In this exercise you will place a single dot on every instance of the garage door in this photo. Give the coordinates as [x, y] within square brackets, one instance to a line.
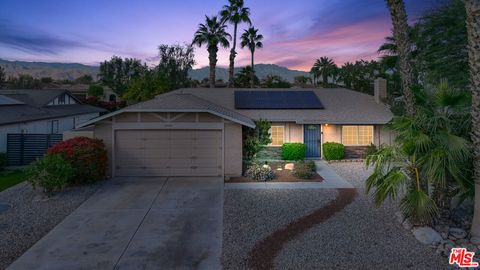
[168, 153]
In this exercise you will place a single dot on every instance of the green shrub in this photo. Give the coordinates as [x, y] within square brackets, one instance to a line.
[95, 90]
[260, 172]
[371, 149]
[293, 151]
[3, 161]
[311, 165]
[51, 173]
[303, 171]
[333, 151]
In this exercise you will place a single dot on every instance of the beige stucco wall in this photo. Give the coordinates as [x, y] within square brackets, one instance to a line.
[233, 149]
[332, 133]
[103, 131]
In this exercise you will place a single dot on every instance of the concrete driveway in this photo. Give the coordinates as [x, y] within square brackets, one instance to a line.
[138, 223]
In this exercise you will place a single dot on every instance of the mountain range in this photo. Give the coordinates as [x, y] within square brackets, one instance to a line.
[71, 71]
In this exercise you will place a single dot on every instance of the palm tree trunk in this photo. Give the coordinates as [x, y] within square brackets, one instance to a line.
[212, 57]
[252, 74]
[400, 33]
[472, 8]
[233, 53]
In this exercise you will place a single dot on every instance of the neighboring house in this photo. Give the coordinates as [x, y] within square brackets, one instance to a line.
[37, 111]
[198, 131]
[81, 91]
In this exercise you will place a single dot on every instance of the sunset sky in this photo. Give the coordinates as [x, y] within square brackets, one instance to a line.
[90, 31]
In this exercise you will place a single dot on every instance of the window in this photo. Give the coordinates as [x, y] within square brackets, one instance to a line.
[53, 127]
[357, 135]
[276, 134]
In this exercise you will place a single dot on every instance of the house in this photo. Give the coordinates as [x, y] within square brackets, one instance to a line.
[198, 131]
[80, 91]
[36, 111]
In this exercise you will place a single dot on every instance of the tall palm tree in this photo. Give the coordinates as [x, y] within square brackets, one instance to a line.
[325, 67]
[314, 73]
[472, 8]
[400, 34]
[252, 40]
[212, 33]
[234, 13]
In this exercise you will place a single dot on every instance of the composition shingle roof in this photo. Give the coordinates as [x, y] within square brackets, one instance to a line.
[341, 106]
[34, 106]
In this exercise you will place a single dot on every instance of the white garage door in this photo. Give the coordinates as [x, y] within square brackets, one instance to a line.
[168, 153]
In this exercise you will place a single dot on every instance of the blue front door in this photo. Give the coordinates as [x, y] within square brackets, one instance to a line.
[311, 137]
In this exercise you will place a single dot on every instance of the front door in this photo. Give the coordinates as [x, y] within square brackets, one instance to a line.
[311, 137]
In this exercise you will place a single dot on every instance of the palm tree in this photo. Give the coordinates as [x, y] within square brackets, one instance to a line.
[234, 13]
[429, 154]
[314, 73]
[325, 67]
[472, 8]
[212, 33]
[400, 34]
[252, 40]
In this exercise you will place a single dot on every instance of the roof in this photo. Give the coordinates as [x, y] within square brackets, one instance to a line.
[341, 106]
[180, 102]
[32, 106]
[4, 100]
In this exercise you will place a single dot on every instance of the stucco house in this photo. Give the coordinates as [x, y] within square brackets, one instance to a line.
[198, 131]
[41, 111]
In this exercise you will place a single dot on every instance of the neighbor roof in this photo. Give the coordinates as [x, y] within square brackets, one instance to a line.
[33, 106]
[341, 106]
[180, 102]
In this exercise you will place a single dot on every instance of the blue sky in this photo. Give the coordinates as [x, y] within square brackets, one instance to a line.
[296, 32]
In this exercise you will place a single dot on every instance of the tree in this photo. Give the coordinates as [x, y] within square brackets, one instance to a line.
[175, 63]
[324, 67]
[252, 40]
[430, 153]
[301, 80]
[472, 8]
[117, 73]
[212, 33]
[347, 74]
[3, 77]
[146, 87]
[400, 34]
[234, 13]
[24, 81]
[84, 79]
[274, 81]
[242, 78]
[95, 90]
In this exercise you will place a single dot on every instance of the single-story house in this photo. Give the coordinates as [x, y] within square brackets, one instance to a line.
[198, 131]
[39, 111]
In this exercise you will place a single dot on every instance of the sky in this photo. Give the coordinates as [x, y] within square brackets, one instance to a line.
[295, 32]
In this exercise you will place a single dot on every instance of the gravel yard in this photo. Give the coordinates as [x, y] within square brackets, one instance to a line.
[29, 217]
[361, 236]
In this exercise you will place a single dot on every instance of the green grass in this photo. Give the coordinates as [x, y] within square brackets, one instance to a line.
[10, 179]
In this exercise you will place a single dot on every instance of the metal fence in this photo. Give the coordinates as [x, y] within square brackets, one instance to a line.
[22, 149]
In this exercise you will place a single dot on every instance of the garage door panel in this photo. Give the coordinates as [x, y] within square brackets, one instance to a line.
[168, 153]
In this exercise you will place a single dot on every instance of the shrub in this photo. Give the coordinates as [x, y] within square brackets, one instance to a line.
[3, 161]
[52, 173]
[311, 165]
[95, 90]
[303, 170]
[87, 156]
[260, 172]
[333, 151]
[293, 151]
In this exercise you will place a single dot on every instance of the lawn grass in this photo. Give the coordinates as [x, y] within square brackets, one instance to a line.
[10, 179]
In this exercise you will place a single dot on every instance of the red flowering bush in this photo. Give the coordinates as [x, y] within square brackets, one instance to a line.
[88, 158]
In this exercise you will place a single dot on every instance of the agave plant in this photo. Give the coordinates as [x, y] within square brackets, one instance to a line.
[431, 153]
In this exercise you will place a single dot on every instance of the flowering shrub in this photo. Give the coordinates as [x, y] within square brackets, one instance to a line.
[87, 156]
[260, 172]
[108, 105]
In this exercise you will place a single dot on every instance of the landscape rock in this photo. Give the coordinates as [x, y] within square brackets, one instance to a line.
[400, 216]
[462, 242]
[427, 235]
[407, 225]
[444, 235]
[289, 166]
[458, 233]
[441, 228]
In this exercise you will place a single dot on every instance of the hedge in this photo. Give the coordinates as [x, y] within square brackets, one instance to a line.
[333, 151]
[293, 151]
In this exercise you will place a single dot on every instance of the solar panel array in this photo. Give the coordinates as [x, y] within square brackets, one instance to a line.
[297, 99]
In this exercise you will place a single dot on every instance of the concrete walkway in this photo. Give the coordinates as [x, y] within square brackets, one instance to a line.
[138, 223]
[330, 180]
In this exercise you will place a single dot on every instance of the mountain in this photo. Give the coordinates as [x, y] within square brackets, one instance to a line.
[58, 71]
[261, 70]
[71, 71]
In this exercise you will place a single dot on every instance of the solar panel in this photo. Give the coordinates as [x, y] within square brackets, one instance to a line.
[277, 100]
